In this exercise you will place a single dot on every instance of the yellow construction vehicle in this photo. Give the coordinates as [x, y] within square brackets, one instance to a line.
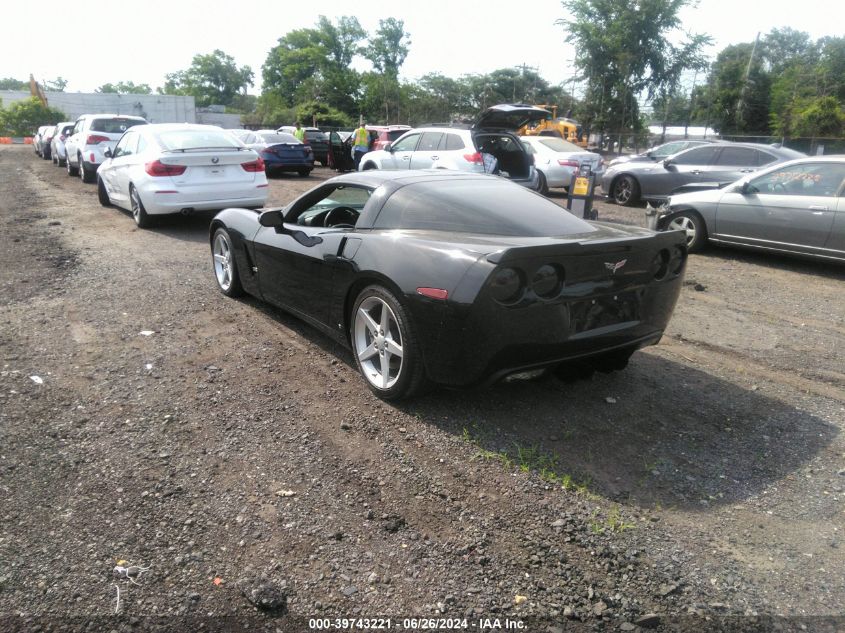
[565, 128]
[35, 90]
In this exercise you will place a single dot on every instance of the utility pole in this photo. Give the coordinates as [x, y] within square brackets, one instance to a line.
[691, 102]
[741, 104]
[522, 67]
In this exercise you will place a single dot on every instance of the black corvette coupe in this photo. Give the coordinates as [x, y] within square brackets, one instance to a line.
[452, 278]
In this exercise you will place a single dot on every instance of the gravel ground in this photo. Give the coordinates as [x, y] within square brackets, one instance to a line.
[237, 454]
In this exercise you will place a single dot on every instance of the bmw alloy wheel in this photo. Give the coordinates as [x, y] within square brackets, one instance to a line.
[378, 343]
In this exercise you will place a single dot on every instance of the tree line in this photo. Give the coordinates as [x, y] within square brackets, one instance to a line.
[628, 55]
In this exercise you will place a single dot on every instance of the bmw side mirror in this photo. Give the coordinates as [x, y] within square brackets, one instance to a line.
[107, 152]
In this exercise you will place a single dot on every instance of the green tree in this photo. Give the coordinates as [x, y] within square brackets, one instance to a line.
[125, 88]
[55, 85]
[10, 83]
[624, 49]
[819, 117]
[212, 79]
[23, 118]
[739, 105]
[314, 64]
[387, 51]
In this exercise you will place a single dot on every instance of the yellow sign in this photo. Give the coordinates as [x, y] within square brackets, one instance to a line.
[582, 187]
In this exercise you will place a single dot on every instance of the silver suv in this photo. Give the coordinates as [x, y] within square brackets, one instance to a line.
[91, 135]
[489, 146]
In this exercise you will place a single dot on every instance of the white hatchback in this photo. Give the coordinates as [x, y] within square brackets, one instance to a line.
[180, 168]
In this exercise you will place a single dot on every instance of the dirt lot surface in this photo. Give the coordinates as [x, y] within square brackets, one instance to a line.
[237, 454]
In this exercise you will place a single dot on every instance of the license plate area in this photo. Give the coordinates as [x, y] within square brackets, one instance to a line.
[598, 312]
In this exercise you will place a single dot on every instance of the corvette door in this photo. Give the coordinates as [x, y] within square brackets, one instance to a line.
[296, 274]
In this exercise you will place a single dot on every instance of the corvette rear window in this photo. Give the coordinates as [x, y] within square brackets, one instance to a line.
[489, 207]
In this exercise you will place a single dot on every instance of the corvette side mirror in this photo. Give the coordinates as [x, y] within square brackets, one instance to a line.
[272, 218]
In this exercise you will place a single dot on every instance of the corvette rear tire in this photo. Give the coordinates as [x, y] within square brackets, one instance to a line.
[102, 194]
[384, 344]
[225, 267]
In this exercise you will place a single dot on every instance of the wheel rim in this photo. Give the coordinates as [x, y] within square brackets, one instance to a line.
[378, 343]
[222, 254]
[136, 205]
[623, 191]
[686, 225]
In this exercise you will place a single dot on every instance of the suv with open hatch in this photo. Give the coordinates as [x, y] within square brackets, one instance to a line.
[488, 146]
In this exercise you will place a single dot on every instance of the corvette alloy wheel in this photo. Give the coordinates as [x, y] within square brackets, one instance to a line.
[378, 343]
[225, 267]
[223, 261]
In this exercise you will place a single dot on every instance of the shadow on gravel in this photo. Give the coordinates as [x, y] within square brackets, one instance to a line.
[657, 433]
[186, 228]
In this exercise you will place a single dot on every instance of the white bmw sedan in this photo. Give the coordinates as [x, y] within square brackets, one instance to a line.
[180, 168]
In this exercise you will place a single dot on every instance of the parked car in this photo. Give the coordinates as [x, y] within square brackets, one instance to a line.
[57, 145]
[280, 151]
[170, 168]
[463, 149]
[92, 134]
[659, 152]
[41, 140]
[721, 163]
[319, 141]
[451, 278]
[797, 207]
[381, 135]
[557, 160]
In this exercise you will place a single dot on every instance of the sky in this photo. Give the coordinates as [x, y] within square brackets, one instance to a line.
[103, 41]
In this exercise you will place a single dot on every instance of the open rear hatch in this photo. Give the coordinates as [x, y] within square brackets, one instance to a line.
[510, 116]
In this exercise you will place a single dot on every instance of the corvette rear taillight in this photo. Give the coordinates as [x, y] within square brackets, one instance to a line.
[507, 285]
[475, 158]
[158, 169]
[254, 165]
[547, 281]
[95, 139]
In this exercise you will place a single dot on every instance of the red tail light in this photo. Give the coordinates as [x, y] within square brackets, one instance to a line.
[157, 169]
[565, 162]
[95, 139]
[474, 158]
[254, 166]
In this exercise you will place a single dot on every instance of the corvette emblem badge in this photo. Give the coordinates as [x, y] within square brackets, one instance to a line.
[614, 267]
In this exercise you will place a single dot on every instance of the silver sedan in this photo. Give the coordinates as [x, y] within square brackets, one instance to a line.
[797, 207]
[557, 160]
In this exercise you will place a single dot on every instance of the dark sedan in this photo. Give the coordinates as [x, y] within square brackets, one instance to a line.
[453, 278]
[280, 151]
[718, 163]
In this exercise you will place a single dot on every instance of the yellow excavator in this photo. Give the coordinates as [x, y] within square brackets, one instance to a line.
[35, 90]
[565, 128]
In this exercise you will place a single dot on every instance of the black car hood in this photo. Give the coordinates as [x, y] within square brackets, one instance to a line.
[510, 116]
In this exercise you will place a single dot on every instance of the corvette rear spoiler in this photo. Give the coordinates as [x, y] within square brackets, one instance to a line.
[601, 246]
